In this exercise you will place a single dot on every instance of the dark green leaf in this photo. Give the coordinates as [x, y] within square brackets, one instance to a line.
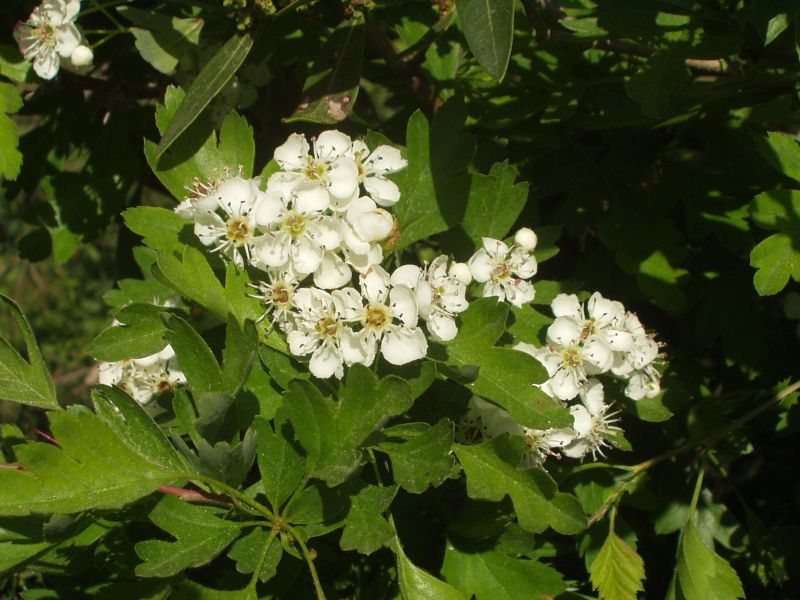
[366, 529]
[247, 551]
[162, 39]
[492, 470]
[657, 81]
[423, 459]
[488, 26]
[331, 87]
[197, 361]
[200, 535]
[281, 465]
[215, 74]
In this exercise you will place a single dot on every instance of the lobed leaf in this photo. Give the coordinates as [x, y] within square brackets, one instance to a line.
[617, 571]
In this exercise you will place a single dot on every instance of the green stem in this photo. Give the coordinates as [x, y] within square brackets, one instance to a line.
[309, 561]
[109, 16]
[261, 559]
[230, 491]
[697, 487]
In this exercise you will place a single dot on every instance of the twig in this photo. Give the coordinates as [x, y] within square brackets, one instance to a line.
[195, 495]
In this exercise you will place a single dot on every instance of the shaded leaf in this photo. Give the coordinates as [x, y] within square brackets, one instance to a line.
[162, 39]
[423, 459]
[366, 529]
[488, 26]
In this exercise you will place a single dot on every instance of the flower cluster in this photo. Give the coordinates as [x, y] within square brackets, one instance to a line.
[583, 342]
[144, 378]
[50, 37]
[323, 218]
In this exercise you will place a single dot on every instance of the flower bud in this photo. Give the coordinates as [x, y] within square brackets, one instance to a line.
[526, 238]
[461, 272]
[82, 56]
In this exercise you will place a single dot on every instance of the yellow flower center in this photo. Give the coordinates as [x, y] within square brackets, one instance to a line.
[377, 317]
[238, 230]
[328, 327]
[294, 224]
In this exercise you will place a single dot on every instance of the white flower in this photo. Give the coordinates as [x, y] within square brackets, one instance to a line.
[322, 330]
[201, 197]
[400, 342]
[526, 239]
[592, 423]
[82, 56]
[231, 227]
[643, 383]
[370, 223]
[504, 271]
[542, 443]
[276, 295]
[606, 321]
[146, 377]
[296, 232]
[49, 35]
[374, 167]
[439, 295]
[568, 366]
[329, 169]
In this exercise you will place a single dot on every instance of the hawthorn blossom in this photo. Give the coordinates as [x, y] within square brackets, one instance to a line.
[276, 295]
[440, 296]
[389, 319]
[329, 168]
[373, 167]
[230, 225]
[592, 422]
[146, 377]
[504, 271]
[605, 321]
[322, 330]
[297, 233]
[50, 35]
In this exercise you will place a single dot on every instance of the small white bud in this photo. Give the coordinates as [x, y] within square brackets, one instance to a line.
[526, 238]
[82, 56]
[461, 272]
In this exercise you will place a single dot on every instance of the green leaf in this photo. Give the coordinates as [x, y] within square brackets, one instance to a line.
[488, 26]
[159, 227]
[435, 185]
[778, 210]
[247, 551]
[332, 432]
[10, 156]
[490, 574]
[782, 152]
[241, 348]
[366, 529]
[776, 260]
[94, 468]
[200, 535]
[422, 460]
[657, 81]
[192, 277]
[331, 88]
[12, 63]
[702, 574]
[195, 155]
[494, 204]
[617, 571]
[196, 591]
[214, 76]
[140, 333]
[418, 584]
[197, 361]
[13, 555]
[505, 376]
[24, 381]
[492, 470]
[162, 39]
[281, 465]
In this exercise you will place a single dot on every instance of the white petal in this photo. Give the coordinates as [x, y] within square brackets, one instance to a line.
[593, 397]
[564, 331]
[293, 152]
[324, 233]
[461, 272]
[333, 272]
[401, 346]
[351, 239]
[442, 327]
[519, 292]
[374, 226]
[581, 420]
[565, 384]
[598, 354]
[522, 264]
[302, 342]
[480, 266]
[375, 285]
[383, 191]
[68, 38]
[385, 159]
[352, 347]
[567, 305]
[403, 305]
[306, 255]
[284, 183]
[343, 178]
[577, 449]
[310, 198]
[348, 304]
[325, 361]
[495, 248]
[209, 227]
[46, 64]
[272, 250]
[620, 341]
[331, 144]
[407, 275]
[269, 209]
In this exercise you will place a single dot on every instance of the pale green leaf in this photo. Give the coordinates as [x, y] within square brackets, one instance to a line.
[10, 156]
[418, 584]
[702, 574]
[776, 259]
[617, 571]
[159, 227]
[140, 333]
[782, 152]
[24, 381]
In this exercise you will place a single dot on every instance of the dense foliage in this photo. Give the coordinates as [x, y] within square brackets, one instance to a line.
[399, 299]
